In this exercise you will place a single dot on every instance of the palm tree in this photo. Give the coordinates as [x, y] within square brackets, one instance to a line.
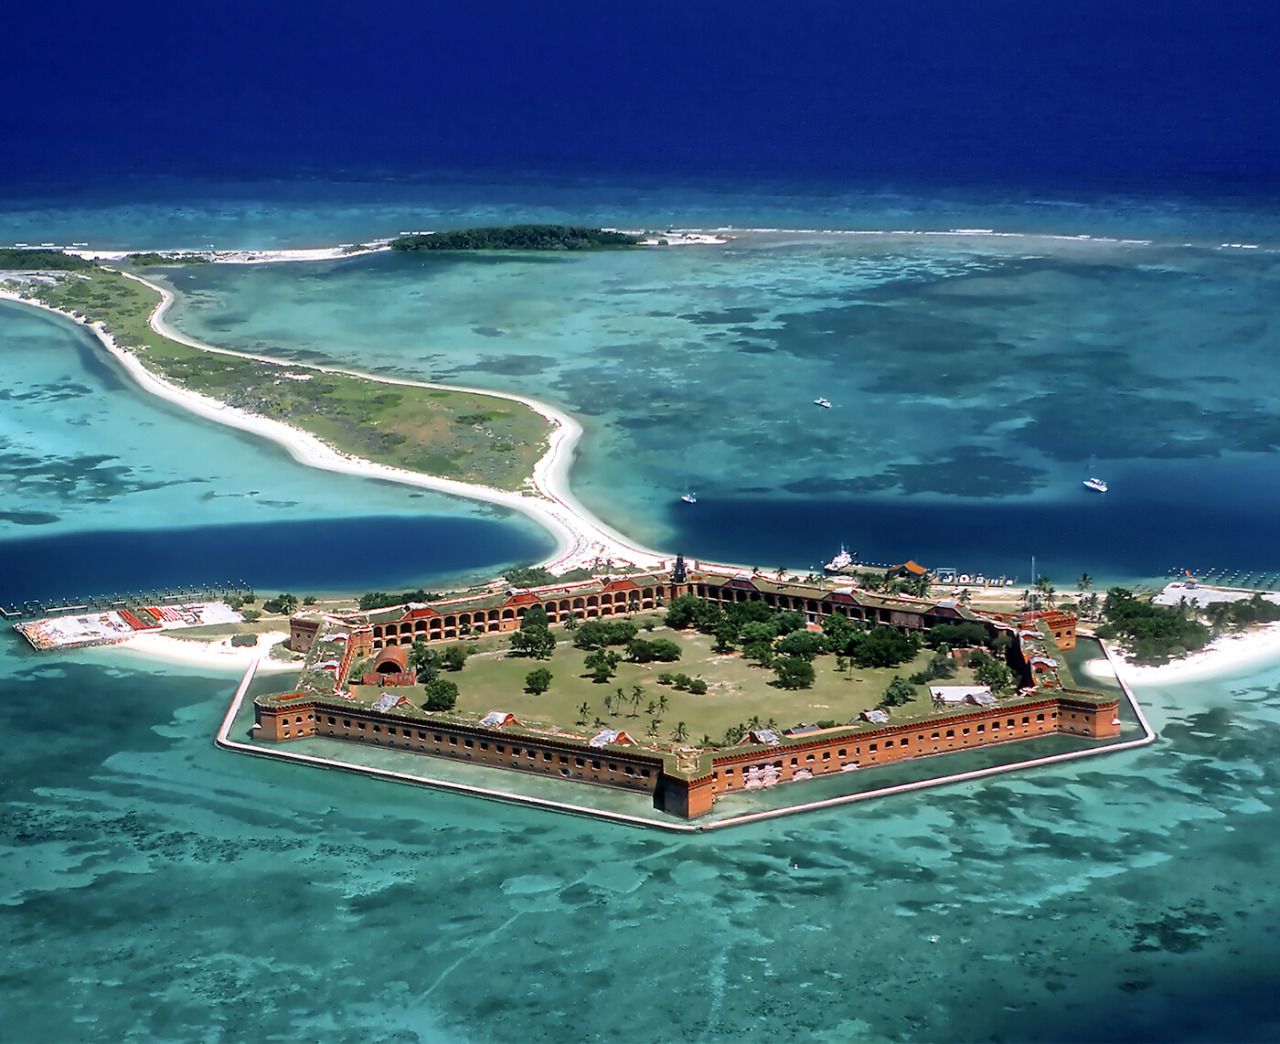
[966, 596]
[652, 709]
[662, 702]
[608, 703]
[681, 732]
[1085, 582]
[754, 723]
[584, 712]
[637, 694]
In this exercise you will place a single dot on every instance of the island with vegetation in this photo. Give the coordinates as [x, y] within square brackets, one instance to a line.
[472, 437]
[517, 237]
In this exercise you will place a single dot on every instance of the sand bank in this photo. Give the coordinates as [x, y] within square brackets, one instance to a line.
[581, 539]
[1230, 654]
[216, 655]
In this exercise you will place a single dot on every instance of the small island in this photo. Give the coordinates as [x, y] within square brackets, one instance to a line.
[517, 237]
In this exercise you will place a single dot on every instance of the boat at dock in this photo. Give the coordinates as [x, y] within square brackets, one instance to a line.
[842, 562]
[1095, 484]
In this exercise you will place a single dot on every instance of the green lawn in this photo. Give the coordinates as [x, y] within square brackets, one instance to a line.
[737, 691]
[458, 435]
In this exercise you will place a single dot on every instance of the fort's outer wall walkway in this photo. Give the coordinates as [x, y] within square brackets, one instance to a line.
[223, 739]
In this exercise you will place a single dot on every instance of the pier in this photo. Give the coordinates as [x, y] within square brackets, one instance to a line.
[65, 605]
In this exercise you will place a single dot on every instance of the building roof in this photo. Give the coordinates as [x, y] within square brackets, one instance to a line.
[386, 701]
[763, 736]
[497, 718]
[877, 715]
[957, 693]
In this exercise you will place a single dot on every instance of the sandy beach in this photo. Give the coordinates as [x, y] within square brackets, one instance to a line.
[215, 655]
[1226, 655]
[581, 538]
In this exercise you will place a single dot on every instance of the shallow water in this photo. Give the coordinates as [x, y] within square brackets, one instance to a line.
[86, 459]
[186, 892]
[153, 886]
[975, 383]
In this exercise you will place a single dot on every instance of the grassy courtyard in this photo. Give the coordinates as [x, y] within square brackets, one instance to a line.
[737, 691]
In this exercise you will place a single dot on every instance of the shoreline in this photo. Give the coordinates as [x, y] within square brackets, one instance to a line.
[581, 538]
[1225, 655]
[220, 654]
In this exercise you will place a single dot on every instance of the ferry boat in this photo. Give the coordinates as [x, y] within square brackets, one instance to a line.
[824, 403]
[840, 563]
[1095, 484]
[690, 498]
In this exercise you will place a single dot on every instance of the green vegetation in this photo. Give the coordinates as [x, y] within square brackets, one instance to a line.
[711, 693]
[534, 637]
[381, 599]
[242, 640]
[1151, 633]
[22, 259]
[148, 259]
[528, 576]
[537, 681]
[398, 425]
[250, 615]
[442, 695]
[517, 237]
[284, 604]
[898, 693]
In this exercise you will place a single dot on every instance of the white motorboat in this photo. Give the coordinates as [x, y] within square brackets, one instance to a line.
[1095, 484]
[690, 498]
[824, 403]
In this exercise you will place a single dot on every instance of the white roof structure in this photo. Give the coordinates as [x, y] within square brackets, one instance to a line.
[386, 701]
[952, 695]
[494, 718]
[877, 715]
[603, 737]
[765, 736]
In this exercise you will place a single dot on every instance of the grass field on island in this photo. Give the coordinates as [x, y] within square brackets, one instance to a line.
[736, 690]
[458, 435]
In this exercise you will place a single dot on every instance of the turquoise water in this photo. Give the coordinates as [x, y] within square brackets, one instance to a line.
[976, 381]
[84, 454]
[180, 892]
[155, 887]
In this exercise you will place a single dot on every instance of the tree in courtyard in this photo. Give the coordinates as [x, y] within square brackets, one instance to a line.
[726, 636]
[900, 691]
[991, 673]
[534, 616]
[842, 663]
[584, 712]
[423, 661]
[805, 644]
[600, 664]
[793, 672]
[662, 702]
[698, 687]
[442, 695]
[681, 732]
[535, 640]
[837, 632]
[653, 727]
[608, 703]
[537, 681]
[652, 709]
[637, 694]
[454, 658]
[571, 624]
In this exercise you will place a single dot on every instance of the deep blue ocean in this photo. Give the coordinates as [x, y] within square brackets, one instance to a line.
[155, 887]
